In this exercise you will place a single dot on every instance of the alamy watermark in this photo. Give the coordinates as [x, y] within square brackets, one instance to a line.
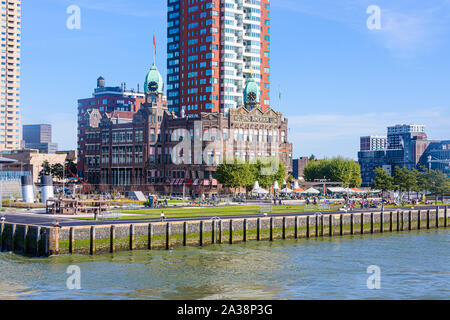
[74, 20]
[374, 281]
[74, 280]
[213, 147]
[374, 20]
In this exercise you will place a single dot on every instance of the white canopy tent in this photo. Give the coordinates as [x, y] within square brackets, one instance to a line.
[340, 190]
[258, 190]
[286, 190]
[312, 191]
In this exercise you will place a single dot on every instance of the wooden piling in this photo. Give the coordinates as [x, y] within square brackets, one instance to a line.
[213, 231]
[271, 229]
[92, 241]
[437, 217]
[245, 226]
[381, 222]
[185, 233]
[168, 234]
[419, 216]
[330, 227]
[410, 220]
[25, 233]
[445, 216]
[150, 236]
[201, 233]
[45, 243]
[38, 240]
[362, 223]
[371, 223]
[220, 232]
[258, 229]
[131, 237]
[402, 220]
[321, 225]
[2, 228]
[308, 233]
[428, 219]
[297, 223]
[112, 239]
[341, 225]
[231, 231]
[71, 239]
[352, 232]
[391, 221]
[13, 237]
[284, 228]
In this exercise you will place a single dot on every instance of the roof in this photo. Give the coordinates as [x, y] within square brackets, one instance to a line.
[341, 190]
[7, 161]
[252, 86]
[154, 76]
[312, 190]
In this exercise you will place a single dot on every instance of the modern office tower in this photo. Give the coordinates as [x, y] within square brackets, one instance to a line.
[213, 47]
[398, 135]
[373, 143]
[407, 147]
[39, 136]
[37, 133]
[298, 167]
[10, 75]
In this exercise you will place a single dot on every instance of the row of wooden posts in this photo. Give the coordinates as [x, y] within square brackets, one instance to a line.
[45, 243]
[217, 229]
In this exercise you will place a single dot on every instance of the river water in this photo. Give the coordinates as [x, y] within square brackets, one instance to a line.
[413, 265]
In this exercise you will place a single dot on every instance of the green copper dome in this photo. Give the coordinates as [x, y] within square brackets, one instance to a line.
[252, 93]
[154, 82]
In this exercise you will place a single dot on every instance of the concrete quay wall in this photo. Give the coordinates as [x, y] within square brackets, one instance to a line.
[91, 240]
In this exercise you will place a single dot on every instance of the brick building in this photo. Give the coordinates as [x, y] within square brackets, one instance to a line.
[134, 151]
[114, 102]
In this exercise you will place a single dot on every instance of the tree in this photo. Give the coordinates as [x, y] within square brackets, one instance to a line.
[46, 169]
[383, 181]
[337, 169]
[57, 171]
[236, 175]
[266, 180]
[405, 180]
[243, 175]
[437, 182]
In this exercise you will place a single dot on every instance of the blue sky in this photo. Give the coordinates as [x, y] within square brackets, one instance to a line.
[339, 80]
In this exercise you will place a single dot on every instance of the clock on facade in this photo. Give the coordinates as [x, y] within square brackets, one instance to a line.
[153, 86]
[251, 96]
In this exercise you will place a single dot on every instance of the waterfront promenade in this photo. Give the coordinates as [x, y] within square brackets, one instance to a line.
[36, 235]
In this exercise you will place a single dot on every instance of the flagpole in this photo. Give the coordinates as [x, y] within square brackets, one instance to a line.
[154, 48]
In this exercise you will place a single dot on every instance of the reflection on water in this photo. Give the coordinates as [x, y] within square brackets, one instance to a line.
[414, 265]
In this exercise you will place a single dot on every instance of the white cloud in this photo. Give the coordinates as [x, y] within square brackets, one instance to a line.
[339, 133]
[407, 27]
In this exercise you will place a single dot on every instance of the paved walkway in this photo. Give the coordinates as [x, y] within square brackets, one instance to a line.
[37, 218]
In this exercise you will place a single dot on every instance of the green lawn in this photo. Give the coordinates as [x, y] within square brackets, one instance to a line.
[211, 211]
[216, 211]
